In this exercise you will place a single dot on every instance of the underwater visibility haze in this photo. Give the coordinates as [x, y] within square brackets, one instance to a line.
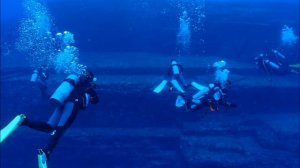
[149, 83]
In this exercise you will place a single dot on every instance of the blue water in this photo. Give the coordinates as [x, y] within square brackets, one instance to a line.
[129, 45]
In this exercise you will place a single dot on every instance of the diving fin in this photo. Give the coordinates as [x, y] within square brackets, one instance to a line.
[176, 85]
[42, 159]
[295, 65]
[179, 101]
[11, 127]
[201, 93]
[198, 86]
[160, 87]
[202, 90]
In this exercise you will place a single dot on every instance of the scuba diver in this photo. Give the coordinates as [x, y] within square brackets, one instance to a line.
[75, 93]
[174, 79]
[40, 77]
[213, 95]
[273, 62]
[221, 74]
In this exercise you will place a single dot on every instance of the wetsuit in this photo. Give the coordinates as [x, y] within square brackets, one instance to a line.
[271, 63]
[64, 115]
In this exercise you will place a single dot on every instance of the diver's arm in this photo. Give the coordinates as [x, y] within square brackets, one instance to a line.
[93, 94]
[88, 96]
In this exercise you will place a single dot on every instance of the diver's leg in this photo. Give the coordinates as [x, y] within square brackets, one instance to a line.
[181, 80]
[38, 125]
[68, 115]
[44, 126]
[53, 141]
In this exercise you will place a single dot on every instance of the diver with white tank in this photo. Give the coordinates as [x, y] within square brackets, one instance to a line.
[75, 93]
[173, 79]
[212, 96]
[273, 62]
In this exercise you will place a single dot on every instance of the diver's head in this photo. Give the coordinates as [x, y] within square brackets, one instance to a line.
[219, 64]
[211, 85]
[88, 76]
[173, 62]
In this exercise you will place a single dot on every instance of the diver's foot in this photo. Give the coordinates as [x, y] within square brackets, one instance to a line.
[25, 120]
[42, 159]
[179, 101]
[45, 152]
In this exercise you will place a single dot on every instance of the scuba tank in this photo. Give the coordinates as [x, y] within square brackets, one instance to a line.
[64, 90]
[34, 76]
[175, 68]
[278, 54]
[272, 64]
[11, 127]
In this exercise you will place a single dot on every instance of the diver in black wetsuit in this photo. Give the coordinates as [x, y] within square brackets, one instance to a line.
[173, 79]
[273, 62]
[64, 115]
[216, 97]
[175, 72]
[213, 96]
